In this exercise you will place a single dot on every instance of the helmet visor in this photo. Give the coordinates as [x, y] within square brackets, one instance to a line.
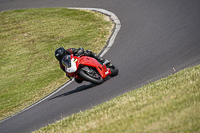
[66, 61]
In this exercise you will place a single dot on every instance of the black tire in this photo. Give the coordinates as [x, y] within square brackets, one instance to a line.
[83, 74]
[114, 70]
[78, 81]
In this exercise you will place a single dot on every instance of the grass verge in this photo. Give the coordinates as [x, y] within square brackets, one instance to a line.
[169, 105]
[28, 39]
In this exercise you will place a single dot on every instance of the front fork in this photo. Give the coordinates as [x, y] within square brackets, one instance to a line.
[70, 78]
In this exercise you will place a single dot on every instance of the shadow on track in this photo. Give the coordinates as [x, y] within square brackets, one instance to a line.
[78, 89]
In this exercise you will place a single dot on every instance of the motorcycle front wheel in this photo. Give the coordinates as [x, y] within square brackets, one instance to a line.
[91, 76]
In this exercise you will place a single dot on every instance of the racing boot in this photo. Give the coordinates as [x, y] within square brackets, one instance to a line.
[102, 60]
[106, 62]
[97, 57]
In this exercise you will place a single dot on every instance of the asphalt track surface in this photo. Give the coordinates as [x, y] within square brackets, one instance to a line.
[157, 38]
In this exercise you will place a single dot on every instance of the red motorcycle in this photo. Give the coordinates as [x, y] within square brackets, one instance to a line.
[86, 68]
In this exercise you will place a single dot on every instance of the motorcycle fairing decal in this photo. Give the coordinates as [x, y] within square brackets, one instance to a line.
[75, 60]
[73, 67]
[107, 72]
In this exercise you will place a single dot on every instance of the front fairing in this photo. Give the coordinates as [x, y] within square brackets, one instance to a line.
[72, 70]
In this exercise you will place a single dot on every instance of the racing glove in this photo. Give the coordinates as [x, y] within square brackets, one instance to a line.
[80, 51]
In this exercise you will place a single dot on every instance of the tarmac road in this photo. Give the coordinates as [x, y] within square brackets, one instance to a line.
[156, 38]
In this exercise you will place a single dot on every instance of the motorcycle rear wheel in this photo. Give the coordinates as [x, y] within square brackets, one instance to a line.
[114, 70]
[87, 76]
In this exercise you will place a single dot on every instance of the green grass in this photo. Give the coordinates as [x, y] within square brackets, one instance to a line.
[168, 105]
[28, 39]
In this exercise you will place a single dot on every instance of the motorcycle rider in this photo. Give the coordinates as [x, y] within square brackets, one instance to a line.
[61, 52]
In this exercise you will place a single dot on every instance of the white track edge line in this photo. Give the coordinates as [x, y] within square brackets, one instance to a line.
[115, 19]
